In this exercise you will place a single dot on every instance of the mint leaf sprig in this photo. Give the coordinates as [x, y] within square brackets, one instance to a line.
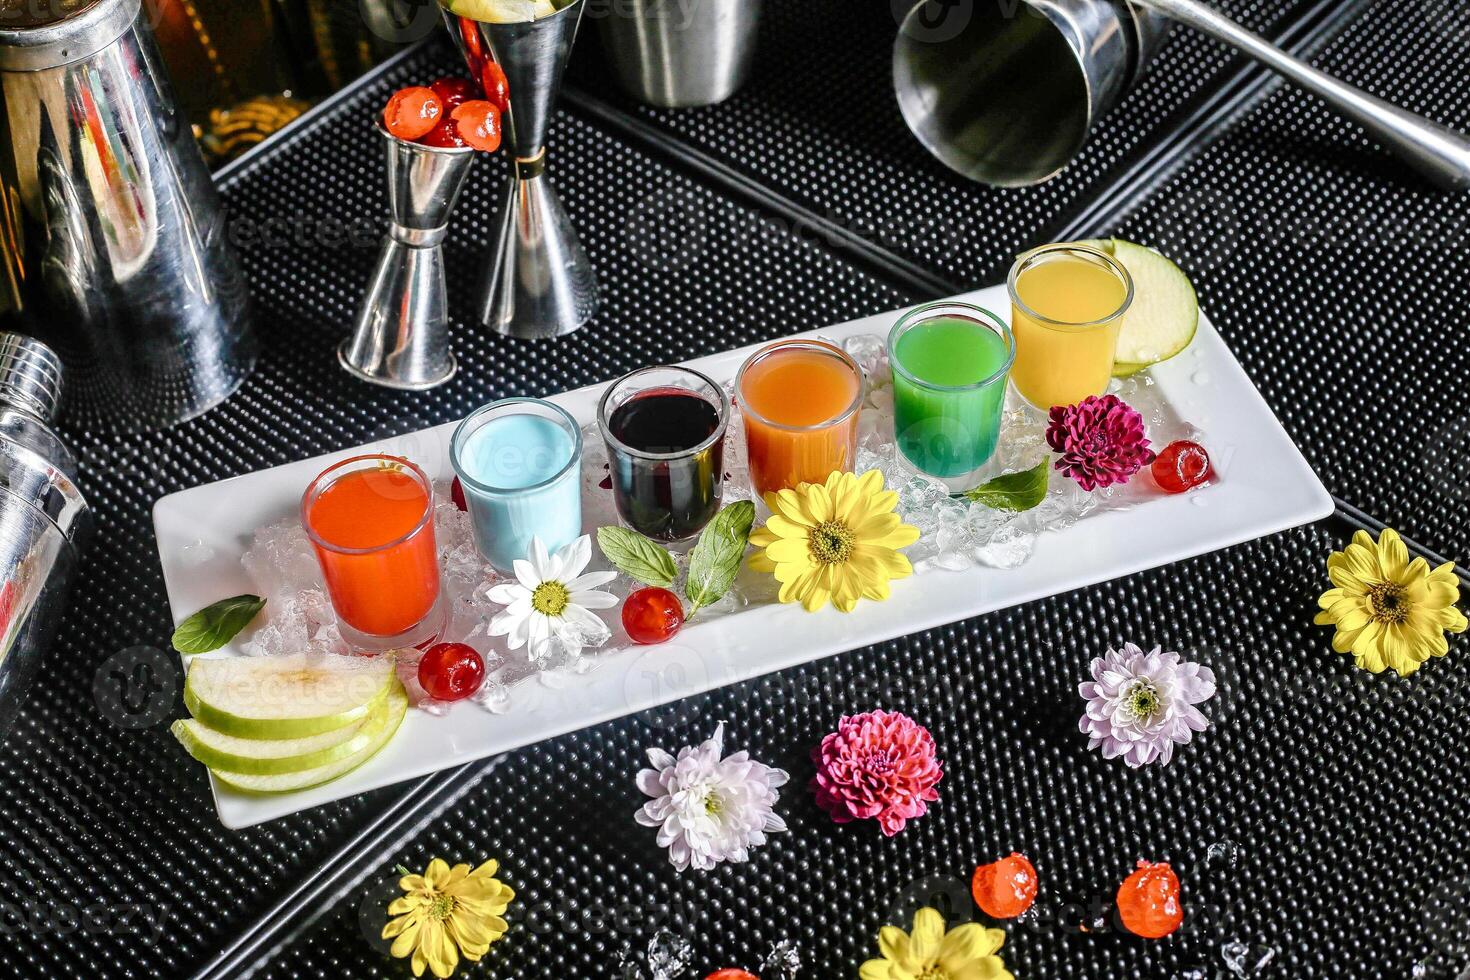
[216, 624]
[714, 561]
[1014, 491]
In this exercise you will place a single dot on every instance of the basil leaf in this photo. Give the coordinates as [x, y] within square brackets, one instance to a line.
[715, 559]
[637, 557]
[215, 625]
[1014, 491]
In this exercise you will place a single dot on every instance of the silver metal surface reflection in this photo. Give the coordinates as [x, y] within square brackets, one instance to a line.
[538, 282]
[401, 338]
[115, 249]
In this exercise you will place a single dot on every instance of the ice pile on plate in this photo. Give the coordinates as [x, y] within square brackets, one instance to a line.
[956, 534]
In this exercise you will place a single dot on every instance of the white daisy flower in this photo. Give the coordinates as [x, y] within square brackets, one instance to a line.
[551, 598]
[709, 807]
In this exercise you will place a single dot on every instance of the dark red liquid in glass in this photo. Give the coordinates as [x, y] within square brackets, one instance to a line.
[667, 499]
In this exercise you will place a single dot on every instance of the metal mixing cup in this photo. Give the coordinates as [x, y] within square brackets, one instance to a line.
[1006, 92]
[678, 53]
[114, 249]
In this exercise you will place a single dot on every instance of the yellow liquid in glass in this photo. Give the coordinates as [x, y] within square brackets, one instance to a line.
[1056, 363]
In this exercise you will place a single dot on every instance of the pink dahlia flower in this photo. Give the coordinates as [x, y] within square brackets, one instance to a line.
[1101, 441]
[876, 765]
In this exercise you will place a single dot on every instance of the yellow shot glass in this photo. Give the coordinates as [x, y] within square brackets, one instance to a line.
[1067, 305]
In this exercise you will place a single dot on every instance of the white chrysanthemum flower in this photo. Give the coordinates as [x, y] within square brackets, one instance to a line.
[551, 598]
[708, 809]
[1139, 705]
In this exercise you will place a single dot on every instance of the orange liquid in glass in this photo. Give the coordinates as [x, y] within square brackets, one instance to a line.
[798, 386]
[388, 587]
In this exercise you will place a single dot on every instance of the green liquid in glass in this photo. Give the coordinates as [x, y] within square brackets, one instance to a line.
[948, 433]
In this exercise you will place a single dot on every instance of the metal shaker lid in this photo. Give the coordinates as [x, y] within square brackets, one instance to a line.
[30, 375]
[35, 465]
[40, 34]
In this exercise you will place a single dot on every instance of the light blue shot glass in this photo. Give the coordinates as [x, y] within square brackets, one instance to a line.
[520, 463]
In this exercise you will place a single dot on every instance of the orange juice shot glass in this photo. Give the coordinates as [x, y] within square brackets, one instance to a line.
[370, 520]
[1067, 306]
[800, 402]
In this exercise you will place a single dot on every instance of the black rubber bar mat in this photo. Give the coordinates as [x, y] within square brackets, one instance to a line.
[101, 812]
[1315, 818]
[1338, 278]
[1312, 787]
[818, 123]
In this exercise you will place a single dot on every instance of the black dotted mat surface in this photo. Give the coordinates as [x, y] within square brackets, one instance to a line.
[1341, 795]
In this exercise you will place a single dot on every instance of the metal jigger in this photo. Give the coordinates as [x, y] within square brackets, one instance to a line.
[401, 339]
[539, 282]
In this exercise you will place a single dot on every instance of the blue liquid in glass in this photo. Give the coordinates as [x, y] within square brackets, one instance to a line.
[515, 455]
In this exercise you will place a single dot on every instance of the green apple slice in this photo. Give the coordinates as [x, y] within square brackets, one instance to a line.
[1165, 312]
[270, 756]
[501, 11]
[381, 727]
[285, 697]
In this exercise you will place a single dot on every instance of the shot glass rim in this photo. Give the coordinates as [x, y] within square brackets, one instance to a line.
[1118, 269]
[338, 549]
[623, 447]
[481, 486]
[929, 309]
[838, 419]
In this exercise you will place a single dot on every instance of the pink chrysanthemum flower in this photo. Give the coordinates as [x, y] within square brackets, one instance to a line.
[1100, 441]
[876, 765]
[1139, 705]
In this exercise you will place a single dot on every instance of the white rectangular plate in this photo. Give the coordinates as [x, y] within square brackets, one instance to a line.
[1267, 487]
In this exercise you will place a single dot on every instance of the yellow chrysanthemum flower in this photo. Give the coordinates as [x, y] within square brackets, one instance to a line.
[930, 953]
[834, 541]
[447, 913]
[1389, 612]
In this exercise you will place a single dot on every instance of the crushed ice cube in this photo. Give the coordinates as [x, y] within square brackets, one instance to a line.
[669, 955]
[1222, 855]
[783, 962]
[870, 350]
[1246, 959]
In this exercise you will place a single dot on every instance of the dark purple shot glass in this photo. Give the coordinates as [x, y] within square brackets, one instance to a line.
[665, 434]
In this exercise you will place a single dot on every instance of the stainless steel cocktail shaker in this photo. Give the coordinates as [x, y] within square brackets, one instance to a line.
[113, 248]
[44, 520]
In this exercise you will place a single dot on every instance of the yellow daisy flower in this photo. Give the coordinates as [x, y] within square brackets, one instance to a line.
[834, 541]
[447, 913]
[930, 953]
[1389, 612]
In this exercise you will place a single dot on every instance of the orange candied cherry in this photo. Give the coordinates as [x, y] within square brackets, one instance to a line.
[730, 973]
[1148, 901]
[1006, 888]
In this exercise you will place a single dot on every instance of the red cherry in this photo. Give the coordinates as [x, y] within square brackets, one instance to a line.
[446, 134]
[474, 50]
[1006, 888]
[452, 91]
[495, 85]
[1148, 901]
[450, 671]
[1183, 465]
[478, 124]
[652, 615]
[456, 494]
[731, 973]
[411, 112]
